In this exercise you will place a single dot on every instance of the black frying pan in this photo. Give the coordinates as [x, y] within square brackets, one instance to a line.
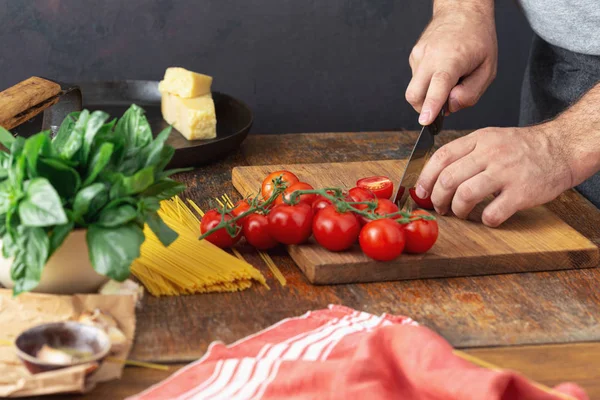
[234, 118]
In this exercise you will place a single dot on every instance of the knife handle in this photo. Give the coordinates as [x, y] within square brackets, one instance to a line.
[27, 99]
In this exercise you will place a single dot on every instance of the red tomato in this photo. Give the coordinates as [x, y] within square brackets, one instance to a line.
[220, 237]
[384, 207]
[240, 207]
[382, 239]
[423, 203]
[320, 203]
[256, 231]
[360, 194]
[334, 230]
[291, 224]
[421, 235]
[268, 186]
[381, 186]
[304, 198]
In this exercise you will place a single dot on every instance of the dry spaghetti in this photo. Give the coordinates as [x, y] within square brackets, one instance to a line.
[189, 265]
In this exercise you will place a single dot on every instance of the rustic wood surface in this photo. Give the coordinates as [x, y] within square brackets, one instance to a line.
[496, 310]
[532, 240]
[548, 364]
[486, 311]
[25, 100]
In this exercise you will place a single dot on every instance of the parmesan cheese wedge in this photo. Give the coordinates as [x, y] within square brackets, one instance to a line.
[194, 118]
[184, 83]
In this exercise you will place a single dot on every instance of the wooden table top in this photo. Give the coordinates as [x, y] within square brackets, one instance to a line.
[530, 322]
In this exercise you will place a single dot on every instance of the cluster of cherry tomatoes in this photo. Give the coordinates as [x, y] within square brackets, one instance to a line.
[290, 211]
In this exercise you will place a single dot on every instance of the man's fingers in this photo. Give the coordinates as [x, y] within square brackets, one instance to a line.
[500, 209]
[417, 88]
[468, 92]
[445, 156]
[452, 178]
[440, 86]
[472, 192]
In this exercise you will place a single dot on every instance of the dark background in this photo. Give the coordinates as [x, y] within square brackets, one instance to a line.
[301, 65]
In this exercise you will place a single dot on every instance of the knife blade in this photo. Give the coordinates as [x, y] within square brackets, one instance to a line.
[418, 158]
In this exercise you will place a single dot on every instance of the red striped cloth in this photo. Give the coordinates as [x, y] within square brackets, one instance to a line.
[340, 353]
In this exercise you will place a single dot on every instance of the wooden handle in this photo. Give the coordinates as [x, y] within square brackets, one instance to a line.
[27, 99]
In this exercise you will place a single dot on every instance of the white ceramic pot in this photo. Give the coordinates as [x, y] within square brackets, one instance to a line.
[68, 271]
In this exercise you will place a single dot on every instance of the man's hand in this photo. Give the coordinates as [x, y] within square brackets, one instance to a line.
[525, 167]
[522, 167]
[458, 44]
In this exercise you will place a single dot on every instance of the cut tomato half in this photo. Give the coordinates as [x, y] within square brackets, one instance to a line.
[381, 186]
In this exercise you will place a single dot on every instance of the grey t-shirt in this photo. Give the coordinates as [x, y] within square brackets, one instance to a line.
[571, 24]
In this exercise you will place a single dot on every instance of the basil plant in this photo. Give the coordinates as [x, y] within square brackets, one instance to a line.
[107, 177]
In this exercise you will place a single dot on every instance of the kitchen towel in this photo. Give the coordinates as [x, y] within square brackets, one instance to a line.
[340, 353]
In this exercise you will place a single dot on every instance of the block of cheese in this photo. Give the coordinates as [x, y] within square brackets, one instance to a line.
[195, 118]
[184, 83]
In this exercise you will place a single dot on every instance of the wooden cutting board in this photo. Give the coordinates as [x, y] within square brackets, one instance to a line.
[532, 240]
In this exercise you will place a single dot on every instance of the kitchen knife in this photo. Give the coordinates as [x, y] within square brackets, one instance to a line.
[418, 158]
[27, 99]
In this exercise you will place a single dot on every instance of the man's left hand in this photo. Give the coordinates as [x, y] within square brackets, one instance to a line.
[521, 167]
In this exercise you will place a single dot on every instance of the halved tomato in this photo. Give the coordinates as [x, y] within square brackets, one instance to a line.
[381, 186]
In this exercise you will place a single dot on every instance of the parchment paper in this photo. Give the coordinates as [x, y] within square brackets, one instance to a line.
[29, 309]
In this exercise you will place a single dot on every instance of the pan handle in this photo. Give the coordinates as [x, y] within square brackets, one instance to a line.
[27, 99]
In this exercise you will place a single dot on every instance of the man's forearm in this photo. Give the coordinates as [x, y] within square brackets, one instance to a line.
[482, 6]
[578, 130]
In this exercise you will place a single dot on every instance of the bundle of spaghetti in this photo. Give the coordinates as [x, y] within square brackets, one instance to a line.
[189, 265]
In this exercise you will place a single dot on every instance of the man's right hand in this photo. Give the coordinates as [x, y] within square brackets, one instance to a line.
[458, 44]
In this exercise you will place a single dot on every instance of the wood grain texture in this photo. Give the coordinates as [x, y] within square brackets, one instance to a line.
[25, 100]
[493, 310]
[546, 364]
[532, 240]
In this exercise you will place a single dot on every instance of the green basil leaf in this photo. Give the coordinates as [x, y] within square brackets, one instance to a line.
[84, 200]
[150, 155]
[42, 205]
[134, 127]
[33, 254]
[74, 141]
[32, 150]
[6, 138]
[63, 178]
[120, 201]
[99, 161]
[112, 250]
[166, 155]
[9, 246]
[148, 205]
[5, 197]
[138, 182]
[162, 231]
[93, 126]
[116, 216]
[164, 189]
[65, 131]
[17, 173]
[173, 171]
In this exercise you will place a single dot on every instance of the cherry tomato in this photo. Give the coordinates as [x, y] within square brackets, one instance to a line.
[240, 207]
[291, 224]
[220, 237]
[256, 231]
[268, 186]
[320, 203]
[381, 186]
[384, 207]
[423, 203]
[304, 198]
[360, 194]
[382, 239]
[334, 230]
[421, 235]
